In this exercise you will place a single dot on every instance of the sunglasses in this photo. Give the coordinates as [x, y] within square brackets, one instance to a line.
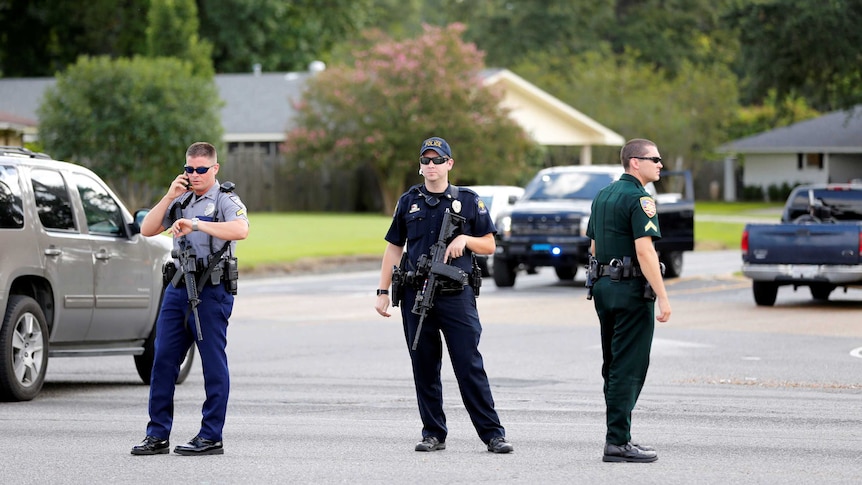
[200, 170]
[436, 160]
[655, 160]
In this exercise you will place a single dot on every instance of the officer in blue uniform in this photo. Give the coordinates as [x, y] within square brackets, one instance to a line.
[416, 223]
[623, 224]
[211, 218]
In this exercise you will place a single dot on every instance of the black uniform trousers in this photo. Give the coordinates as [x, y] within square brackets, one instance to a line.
[456, 317]
[627, 325]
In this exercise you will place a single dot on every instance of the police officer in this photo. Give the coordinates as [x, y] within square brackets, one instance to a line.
[417, 222]
[623, 225]
[210, 218]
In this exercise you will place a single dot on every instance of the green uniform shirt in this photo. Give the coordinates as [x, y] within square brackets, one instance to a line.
[622, 212]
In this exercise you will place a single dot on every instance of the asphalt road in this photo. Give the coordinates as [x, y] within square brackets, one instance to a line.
[322, 393]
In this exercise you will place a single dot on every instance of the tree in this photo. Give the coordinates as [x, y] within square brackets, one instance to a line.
[685, 114]
[172, 31]
[129, 120]
[41, 37]
[376, 112]
[804, 48]
[276, 34]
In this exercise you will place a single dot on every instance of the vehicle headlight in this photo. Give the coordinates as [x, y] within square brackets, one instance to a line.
[504, 226]
[585, 221]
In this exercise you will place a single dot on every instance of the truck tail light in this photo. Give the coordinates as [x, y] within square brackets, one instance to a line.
[744, 243]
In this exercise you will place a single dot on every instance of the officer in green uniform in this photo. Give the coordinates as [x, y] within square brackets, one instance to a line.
[627, 282]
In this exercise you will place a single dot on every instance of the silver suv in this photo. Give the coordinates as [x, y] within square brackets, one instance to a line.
[76, 277]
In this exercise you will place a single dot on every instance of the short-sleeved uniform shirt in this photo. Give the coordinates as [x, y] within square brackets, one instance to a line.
[622, 212]
[417, 220]
[214, 205]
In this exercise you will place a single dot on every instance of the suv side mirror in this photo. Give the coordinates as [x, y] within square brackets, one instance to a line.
[513, 199]
[135, 227]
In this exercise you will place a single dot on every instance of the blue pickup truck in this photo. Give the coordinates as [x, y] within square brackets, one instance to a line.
[817, 244]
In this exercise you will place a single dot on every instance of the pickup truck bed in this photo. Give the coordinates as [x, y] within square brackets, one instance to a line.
[818, 244]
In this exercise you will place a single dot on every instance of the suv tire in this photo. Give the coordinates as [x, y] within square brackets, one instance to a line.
[23, 350]
[504, 273]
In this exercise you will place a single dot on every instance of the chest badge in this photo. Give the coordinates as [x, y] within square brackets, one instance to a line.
[456, 206]
[413, 208]
[210, 209]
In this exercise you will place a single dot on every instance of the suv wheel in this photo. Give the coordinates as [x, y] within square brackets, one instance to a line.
[672, 264]
[565, 273]
[23, 350]
[504, 273]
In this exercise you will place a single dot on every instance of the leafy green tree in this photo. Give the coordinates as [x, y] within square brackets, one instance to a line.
[802, 48]
[172, 31]
[276, 34]
[773, 113]
[41, 37]
[375, 113]
[510, 31]
[129, 120]
[686, 114]
[669, 33]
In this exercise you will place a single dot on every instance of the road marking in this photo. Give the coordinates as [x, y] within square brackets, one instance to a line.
[857, 352]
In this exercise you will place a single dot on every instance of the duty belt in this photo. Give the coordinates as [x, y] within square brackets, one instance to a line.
[605, 270]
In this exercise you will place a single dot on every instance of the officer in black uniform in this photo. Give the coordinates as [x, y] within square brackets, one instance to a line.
[623, 225]
[209, 219]
[417, 222]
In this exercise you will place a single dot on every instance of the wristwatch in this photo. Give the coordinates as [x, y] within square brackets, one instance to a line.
[382, 292]
[195, 224]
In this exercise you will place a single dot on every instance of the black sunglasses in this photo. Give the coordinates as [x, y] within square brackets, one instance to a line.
[200, 170]
[436, 160]
[651, 159]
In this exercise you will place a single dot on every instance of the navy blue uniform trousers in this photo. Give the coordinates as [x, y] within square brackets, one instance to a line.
[456, 317]
[173, 338]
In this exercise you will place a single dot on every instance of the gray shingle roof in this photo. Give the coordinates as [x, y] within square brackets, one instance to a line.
[836, 132]
[258, 107]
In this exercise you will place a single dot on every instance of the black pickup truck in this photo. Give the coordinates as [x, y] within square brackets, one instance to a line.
[817, 244]
[547, 226]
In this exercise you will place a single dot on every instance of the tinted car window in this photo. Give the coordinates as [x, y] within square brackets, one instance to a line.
[103, 213]
[11, 210]
[843, 205]
[556, 186]
[52, 200]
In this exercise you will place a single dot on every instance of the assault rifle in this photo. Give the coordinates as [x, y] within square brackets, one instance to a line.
[188, 266]
[434, 268]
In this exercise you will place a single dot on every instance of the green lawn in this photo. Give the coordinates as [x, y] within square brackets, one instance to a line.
[286, 237]
[712, 235]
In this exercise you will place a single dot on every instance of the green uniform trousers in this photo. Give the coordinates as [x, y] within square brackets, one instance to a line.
[627, 325]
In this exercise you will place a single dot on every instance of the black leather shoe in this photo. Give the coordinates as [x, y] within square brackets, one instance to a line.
[628, 453]
[152, 446]
[643, 447]
[200, 446]
[430, 443]
[500, 445]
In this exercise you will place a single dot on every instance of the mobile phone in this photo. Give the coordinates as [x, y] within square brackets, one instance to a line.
[188, 183]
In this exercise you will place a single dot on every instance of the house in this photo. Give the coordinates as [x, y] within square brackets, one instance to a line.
[827, 149]
[258, 112]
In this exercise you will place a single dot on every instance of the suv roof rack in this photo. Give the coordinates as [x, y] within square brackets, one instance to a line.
[16, 151]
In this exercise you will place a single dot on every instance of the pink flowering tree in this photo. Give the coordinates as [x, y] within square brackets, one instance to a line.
[375, 113]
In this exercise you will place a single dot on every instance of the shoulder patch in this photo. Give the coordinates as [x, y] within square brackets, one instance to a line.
[648, 206]
[481, 205]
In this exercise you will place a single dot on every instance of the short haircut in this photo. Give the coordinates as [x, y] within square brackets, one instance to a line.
[202, 149]
[634, 148]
